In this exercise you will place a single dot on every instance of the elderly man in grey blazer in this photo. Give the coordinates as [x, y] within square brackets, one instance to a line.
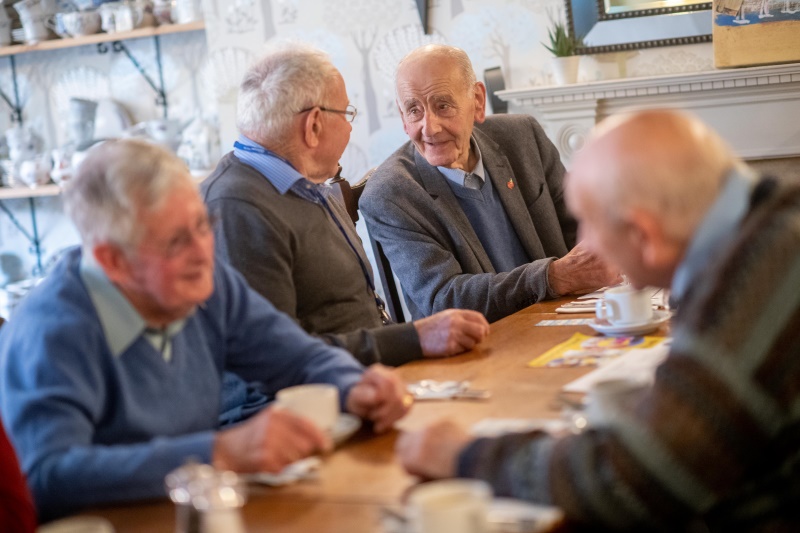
[473, 217]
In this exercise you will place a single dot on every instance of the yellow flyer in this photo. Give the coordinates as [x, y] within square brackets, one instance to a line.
[587, 350]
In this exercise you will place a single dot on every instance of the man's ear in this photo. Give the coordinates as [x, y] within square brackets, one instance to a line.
[480, 102]
[648, 235]
[312, 127]
[113, 261]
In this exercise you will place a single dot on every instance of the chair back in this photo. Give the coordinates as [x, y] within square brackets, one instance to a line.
[493, 78]
[350, 196]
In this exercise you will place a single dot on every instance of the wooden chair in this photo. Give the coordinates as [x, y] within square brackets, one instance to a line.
[350, 196]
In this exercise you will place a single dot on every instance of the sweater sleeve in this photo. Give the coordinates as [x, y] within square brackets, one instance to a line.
[391, 345]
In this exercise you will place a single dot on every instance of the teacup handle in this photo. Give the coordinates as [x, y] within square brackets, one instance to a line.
[602, 307]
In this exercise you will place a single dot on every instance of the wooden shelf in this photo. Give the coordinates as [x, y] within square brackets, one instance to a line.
[70, 42]
[11, 193]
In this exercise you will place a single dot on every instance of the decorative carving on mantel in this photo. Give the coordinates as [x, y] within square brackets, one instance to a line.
[755, 109]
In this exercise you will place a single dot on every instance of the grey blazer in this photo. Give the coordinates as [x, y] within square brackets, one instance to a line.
[410, 209]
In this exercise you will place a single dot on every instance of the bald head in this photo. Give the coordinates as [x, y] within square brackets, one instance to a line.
[641, 187]
[666, 162]
[438, 56]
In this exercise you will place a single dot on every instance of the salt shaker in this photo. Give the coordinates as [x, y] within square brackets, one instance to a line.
[206, 500]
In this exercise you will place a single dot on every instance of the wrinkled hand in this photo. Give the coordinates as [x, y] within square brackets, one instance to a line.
[433, 452]
[268, 442]
[451, 332]
[380, 396]
[579, 272]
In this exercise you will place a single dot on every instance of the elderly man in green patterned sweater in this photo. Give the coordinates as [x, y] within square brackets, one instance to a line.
[714, 443]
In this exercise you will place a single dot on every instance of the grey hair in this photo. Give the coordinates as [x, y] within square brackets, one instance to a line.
[455, 55]
[287, 79]
[117, 180]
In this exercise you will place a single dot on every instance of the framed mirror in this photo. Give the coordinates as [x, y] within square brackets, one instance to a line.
[619, 25]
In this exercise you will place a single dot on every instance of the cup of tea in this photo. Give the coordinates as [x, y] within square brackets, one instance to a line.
[318, 402]
[625, 305]
[449, 506]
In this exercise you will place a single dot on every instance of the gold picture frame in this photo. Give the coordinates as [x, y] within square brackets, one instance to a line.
[755, 32]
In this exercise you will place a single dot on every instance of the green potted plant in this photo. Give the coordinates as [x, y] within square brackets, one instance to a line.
[564, 48]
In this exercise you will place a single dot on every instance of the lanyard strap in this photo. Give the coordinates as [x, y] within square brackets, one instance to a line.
[385, 318]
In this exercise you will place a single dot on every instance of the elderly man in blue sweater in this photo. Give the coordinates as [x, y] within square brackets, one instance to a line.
[111, 370]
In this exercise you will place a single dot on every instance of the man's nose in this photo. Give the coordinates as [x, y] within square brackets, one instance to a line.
[430, 124]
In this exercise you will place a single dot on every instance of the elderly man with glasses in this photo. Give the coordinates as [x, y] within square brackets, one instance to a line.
[111, 370]
[292, 241]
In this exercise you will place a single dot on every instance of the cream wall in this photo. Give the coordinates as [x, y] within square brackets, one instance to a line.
[366, 39]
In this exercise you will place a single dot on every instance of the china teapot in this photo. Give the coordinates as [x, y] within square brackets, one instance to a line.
[167, 131]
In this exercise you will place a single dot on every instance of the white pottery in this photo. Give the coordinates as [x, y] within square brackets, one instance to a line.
[565, 69]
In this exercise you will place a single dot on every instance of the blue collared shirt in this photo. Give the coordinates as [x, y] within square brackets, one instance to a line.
[456, 175]
[716, 231]
[279, 172]
[121, 322]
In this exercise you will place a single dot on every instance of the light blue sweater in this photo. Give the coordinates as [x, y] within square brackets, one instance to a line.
[91, 427]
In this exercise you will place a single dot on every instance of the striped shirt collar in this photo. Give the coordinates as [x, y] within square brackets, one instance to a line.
[121, 322]
[279, 172]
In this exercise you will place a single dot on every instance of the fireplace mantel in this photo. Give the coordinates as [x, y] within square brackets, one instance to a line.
[757, 109]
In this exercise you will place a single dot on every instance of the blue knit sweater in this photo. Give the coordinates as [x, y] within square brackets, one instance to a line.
[90, 427]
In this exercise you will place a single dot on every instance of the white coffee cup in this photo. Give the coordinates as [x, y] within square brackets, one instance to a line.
[604, 397]
[625, 305]
[318, 402]
[449, 506]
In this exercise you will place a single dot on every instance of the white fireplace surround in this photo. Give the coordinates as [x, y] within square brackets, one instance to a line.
[757, 109]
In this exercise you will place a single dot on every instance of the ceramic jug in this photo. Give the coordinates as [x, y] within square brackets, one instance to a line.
[23, 143]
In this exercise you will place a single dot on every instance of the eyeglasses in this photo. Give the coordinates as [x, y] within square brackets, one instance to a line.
[349, 113]
[180, 242]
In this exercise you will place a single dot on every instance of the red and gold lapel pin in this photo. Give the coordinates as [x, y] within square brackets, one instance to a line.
[510, 183]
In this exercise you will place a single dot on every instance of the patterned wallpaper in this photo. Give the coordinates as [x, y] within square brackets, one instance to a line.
[365, 38]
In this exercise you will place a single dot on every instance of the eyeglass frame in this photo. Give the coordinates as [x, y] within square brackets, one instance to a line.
[349, 113]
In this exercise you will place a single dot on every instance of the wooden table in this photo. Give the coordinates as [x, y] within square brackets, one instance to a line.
[362, 476]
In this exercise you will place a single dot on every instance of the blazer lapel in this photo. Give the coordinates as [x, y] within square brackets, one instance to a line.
[500, 172]
[436, 185]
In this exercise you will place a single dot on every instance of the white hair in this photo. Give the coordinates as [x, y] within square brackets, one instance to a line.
[114, 184]
[456, 55]
[289, 78]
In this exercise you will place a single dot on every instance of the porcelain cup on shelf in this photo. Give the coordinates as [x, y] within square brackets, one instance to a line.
[79, 23]
[35, 29]
[23, 143]
[118, 16]
[187, 11]
[35, 172]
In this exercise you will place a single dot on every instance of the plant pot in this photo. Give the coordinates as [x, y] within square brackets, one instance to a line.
[565, 69]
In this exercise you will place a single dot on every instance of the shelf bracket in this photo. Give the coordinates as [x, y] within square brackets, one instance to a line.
[33, 237]
[161, 95]
[16, 108]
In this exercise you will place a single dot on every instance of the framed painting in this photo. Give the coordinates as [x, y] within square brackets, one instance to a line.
[756, 32]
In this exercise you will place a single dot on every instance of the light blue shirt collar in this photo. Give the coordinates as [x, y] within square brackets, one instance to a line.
[716, 231]
[121, 322]
[456, 175]
[279, 172]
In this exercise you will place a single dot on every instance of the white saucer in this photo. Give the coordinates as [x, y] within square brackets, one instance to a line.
[506, 514]
[642, 328]
[344, 428]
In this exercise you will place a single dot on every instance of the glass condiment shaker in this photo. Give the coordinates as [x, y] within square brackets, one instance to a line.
[206, 500]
